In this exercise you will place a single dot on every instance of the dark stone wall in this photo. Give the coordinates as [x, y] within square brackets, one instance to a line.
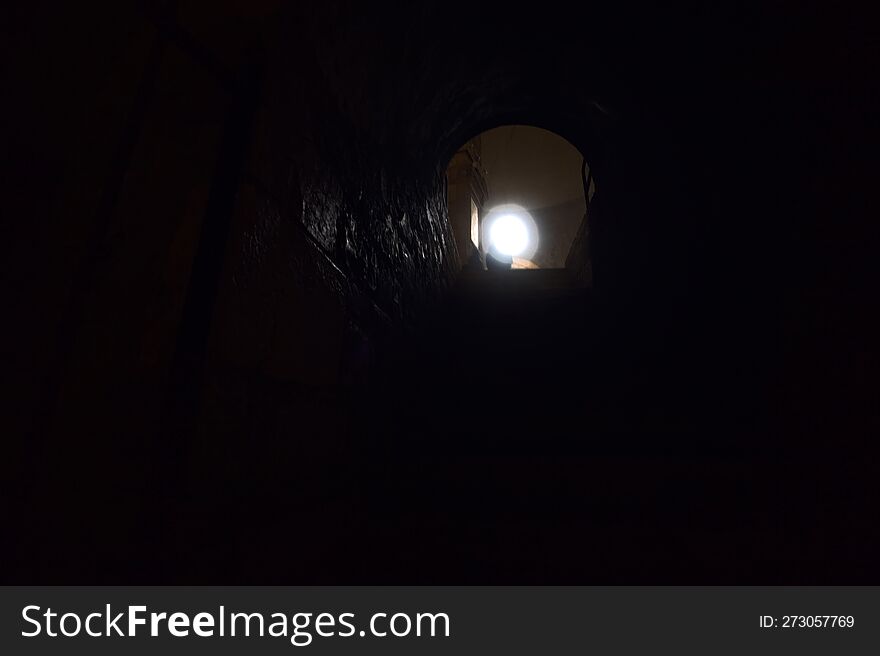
[218, 235]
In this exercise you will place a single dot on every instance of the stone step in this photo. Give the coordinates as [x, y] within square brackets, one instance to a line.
[516, 281]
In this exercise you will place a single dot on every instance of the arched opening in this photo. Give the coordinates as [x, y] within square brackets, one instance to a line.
[518, 198]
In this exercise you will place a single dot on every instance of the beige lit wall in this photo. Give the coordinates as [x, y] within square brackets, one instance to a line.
[541, 171]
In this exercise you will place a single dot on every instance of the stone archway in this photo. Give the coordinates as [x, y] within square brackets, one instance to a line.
[533, 171]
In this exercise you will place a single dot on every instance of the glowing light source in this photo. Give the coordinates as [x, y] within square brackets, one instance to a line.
[509, 235]
[511, 231]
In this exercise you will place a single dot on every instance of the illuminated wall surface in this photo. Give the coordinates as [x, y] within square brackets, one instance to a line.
[541, 172]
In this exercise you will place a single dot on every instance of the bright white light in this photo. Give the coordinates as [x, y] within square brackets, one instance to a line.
[509, 230]
[509, 235]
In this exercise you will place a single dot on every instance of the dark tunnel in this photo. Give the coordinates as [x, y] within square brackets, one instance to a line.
[247, 343]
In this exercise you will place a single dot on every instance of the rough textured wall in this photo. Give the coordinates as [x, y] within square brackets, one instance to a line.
[219, 243]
